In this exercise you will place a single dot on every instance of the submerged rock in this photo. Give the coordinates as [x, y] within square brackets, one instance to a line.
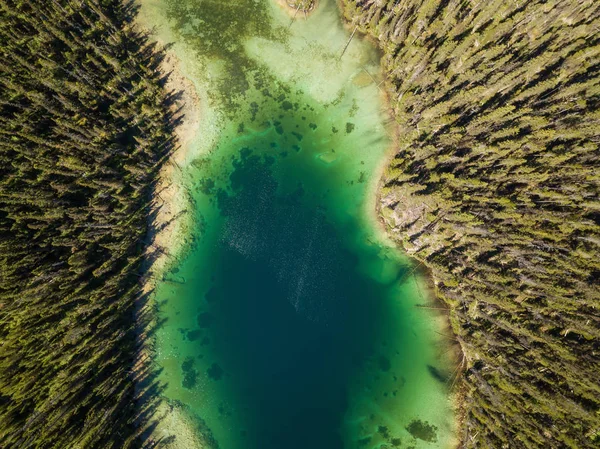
[422, 430]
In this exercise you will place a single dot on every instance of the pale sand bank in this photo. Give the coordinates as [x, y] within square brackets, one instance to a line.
[171, 217]
[169, 424]
[177, 429]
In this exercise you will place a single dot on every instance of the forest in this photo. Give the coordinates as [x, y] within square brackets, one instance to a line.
[495, 187]
[85, 126]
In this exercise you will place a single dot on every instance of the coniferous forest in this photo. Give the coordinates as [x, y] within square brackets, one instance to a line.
[85, 127]
[495, 187]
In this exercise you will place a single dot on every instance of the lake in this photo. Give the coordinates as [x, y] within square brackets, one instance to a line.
[289, 321]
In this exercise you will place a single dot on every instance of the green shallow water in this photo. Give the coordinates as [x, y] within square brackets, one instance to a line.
[289, 321]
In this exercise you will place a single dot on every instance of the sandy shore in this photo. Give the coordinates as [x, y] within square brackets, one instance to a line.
[171, 195]
[167, 425]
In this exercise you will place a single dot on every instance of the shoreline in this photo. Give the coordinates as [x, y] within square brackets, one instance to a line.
[374, 212]
[373, 206]
[170, 193]
[164, 420]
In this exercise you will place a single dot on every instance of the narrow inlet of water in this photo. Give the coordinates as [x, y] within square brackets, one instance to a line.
[289, 322]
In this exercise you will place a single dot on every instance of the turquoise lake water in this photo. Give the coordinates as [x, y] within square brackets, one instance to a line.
[289, 321]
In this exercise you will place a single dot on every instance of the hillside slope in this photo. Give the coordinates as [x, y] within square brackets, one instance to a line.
[495, 186]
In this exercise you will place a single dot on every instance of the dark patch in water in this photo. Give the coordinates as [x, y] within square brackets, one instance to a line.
[334, 130]
[245, 152]
[188, 364]
[253, 110]
[215, 372]
[206, 186]
[190, 375]
[383, 431]
[287, 105]
[350, 127]
[384, 363]
[278, 128]
[194, 335]
[298, 135]
[422, 430]
[437, 374]
[312, 126]
[363, 441]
